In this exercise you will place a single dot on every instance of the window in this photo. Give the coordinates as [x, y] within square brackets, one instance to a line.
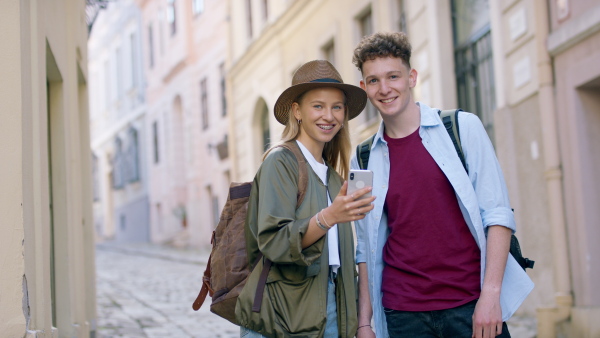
[133, 156]
[214, 206]
[118, 165]
[474, 64]
[401, 18]
[161, 33]
[265, 10]
[365, 25]
[133, 65]
[119, 71]
[155, 141]
[223, 90]
[329, 52]
[172, 16]
[95, 178]
[266, 130]
[249, 18]
[107, 85]
[197, 6]
[151, 46]
[204, 104]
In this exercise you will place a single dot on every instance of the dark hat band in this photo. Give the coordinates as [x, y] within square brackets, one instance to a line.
[326, 80]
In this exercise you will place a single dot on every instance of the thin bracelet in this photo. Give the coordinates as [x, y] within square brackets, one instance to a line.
[324, 220]
[319, 223]
[369, 325]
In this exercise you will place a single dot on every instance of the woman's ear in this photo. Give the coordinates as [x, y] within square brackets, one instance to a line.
[296, 111]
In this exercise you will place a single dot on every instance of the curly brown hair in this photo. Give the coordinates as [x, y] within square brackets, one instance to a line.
[382, 44]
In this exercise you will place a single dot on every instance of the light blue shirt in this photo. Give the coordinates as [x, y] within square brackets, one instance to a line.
[481, 194]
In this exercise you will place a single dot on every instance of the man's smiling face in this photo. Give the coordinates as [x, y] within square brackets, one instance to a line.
[388, 82]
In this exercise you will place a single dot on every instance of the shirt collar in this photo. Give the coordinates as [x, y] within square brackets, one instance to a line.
[429, 118]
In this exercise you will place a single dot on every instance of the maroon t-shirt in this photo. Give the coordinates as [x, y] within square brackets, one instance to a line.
[432, 260]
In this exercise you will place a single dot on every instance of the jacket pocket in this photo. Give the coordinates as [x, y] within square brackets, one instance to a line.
[299, 306]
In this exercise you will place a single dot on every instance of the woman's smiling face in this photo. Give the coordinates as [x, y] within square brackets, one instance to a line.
[322, 112]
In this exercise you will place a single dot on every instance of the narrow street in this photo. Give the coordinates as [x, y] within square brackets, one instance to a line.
[148, 291]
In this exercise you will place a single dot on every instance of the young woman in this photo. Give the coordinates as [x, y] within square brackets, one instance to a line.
[311, 287]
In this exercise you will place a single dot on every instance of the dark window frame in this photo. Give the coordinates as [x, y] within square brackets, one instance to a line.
[204, 103]
[155, 139]
[474, 69]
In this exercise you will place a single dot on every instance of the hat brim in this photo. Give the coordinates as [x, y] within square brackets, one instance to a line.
[356, 98]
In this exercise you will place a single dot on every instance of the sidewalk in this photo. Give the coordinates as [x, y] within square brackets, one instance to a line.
[184, 255]
[146, 290]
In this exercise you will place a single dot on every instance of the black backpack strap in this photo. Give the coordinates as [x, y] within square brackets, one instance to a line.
[450, 120]
[363, 151]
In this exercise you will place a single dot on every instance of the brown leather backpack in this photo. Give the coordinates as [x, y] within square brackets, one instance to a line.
[228, 266]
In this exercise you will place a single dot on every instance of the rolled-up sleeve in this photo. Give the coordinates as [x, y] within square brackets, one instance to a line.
[279, 234]
[485, 174]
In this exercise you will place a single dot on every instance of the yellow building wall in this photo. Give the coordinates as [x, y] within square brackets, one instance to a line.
[47, 287]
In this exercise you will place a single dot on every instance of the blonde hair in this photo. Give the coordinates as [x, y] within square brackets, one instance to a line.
[336, 152]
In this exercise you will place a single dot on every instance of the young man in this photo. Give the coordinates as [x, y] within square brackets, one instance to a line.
[433, 254]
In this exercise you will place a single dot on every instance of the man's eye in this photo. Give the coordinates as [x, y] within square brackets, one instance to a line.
[317, 106]
[372, 81]
[394, 77]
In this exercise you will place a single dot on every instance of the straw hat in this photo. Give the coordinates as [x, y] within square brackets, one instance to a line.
[317, 74]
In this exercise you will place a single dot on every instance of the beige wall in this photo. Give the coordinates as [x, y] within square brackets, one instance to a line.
[575, 44]
[47, 43]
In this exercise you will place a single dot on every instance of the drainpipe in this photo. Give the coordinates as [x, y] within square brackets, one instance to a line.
[549, 317]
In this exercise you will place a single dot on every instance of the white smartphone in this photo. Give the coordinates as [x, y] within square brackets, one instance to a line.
[359, 179]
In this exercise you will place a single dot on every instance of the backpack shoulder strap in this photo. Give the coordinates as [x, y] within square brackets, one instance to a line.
[302, 169]
[450, 120]
[363, 151]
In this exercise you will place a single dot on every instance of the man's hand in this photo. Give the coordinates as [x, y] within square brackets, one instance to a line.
[487, 318]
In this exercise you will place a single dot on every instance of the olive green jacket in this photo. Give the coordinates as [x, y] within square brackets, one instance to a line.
[295, 296]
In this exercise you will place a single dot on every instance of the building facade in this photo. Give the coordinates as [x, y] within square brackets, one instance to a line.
[47, 284]
[118, 124]
[527, 68]
[185, 53]
[573, 45]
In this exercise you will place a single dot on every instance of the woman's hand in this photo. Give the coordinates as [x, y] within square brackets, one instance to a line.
[347, 208]
[365, 332]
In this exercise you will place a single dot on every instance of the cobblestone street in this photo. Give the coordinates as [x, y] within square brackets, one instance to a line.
[148, 291]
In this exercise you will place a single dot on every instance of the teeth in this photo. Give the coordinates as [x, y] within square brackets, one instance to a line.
[328, 127]
[388, 100]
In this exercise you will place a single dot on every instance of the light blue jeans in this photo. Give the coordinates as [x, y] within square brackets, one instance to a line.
[331, 326]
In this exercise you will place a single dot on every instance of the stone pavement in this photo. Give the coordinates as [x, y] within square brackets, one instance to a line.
[146, 290]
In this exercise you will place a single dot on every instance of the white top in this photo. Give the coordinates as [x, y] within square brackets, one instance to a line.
[332, 234]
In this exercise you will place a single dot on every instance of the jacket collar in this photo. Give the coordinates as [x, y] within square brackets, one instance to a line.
[429, 118]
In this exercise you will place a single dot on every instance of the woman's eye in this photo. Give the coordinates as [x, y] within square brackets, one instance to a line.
[317, 106]
[337, 107]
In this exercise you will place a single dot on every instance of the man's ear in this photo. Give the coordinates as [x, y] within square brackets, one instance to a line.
[362, 85]
[412, 78]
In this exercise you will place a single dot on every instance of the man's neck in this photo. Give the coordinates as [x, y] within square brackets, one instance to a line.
[404, 123]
